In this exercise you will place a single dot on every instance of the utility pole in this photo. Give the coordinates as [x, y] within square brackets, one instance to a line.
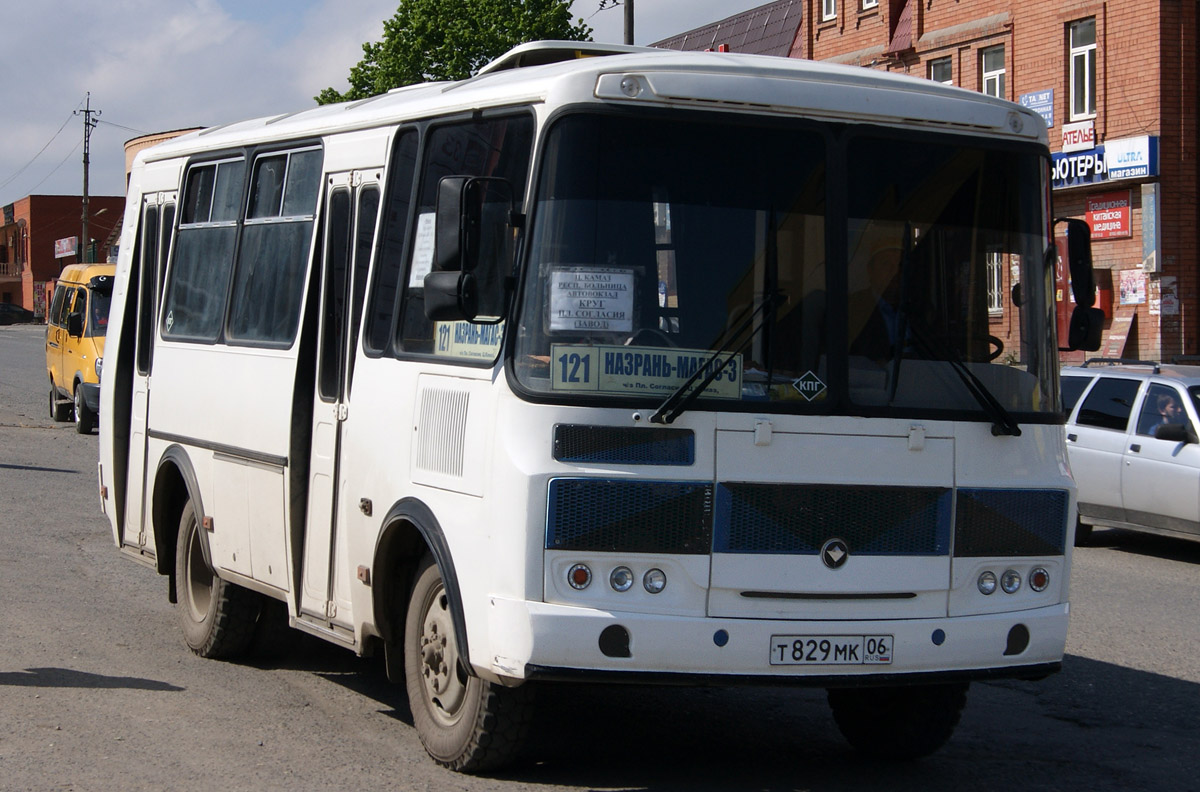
[629, 21]
[89, 124]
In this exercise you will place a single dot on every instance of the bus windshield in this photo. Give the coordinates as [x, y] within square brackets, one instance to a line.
[889, 269]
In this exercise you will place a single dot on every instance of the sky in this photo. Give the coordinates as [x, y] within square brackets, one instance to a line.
[153, 66]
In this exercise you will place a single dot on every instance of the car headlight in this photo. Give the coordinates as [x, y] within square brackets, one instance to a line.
[99, 367]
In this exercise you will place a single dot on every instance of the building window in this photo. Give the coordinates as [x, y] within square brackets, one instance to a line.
[993, 71]
[1083, 68]
[995, 282]
[941, 71]
[828, 10]
[867, 5]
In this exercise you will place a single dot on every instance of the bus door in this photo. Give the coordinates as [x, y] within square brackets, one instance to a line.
[352, 204]
[158, 218]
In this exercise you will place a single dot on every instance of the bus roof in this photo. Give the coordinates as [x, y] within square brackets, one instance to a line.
[580, 72]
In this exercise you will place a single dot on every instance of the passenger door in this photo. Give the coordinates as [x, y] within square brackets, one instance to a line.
[1096, 443]
[55, 332]
[1160, 483]
[351, 210]
[158, 218]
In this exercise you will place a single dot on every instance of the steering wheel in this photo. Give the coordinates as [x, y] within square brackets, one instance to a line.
[651, 331]
[996, 346]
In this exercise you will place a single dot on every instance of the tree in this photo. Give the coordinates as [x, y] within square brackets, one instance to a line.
[451, 39]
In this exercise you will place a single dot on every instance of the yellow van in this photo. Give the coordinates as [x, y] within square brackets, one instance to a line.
[75, 326]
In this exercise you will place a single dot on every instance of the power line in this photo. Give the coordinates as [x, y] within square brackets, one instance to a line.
[22, 169]
[127, 129]
[56, 167]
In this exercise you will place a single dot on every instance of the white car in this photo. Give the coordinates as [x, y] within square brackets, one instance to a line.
[1133, 446]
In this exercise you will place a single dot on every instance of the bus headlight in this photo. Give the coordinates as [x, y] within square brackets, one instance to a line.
[1039, 579]
[987, 583]
[654, 581]
[621, 578]
[1010, 581]
[99, 367]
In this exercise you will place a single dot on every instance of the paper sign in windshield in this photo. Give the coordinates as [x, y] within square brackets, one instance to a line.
[422, 256]
[638, 371]
[591, 300]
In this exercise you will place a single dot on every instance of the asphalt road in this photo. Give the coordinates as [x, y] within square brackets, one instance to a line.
[98, 692]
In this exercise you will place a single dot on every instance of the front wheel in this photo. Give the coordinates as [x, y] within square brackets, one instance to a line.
[898, 722]
[217, 616]
[465, 723]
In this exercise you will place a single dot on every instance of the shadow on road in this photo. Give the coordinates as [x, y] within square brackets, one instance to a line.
[69, 678]
[1153, 545]
[1093, 726]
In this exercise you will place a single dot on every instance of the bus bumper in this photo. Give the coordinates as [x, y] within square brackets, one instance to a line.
[538, 640]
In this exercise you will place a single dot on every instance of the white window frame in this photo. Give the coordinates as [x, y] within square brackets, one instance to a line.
[867, 5]
[1082, 56]
[995, 282]
[937, 62]
[828, 10]
[993, 81]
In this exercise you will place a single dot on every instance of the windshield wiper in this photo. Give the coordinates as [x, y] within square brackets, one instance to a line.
[683, 396]
[1002, 422]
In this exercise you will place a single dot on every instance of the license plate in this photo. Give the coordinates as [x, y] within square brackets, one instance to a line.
[831, 649]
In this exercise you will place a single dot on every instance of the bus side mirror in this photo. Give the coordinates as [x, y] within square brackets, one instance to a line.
[75, 325]
[1087, 322]
[473, 250]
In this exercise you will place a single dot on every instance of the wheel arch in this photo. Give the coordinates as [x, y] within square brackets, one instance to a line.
[409, 530]
[175, 482]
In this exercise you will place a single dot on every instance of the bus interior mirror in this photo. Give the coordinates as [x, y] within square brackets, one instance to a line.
[1079, 260]
[1084, 332]
[450, 296]
[75, 325]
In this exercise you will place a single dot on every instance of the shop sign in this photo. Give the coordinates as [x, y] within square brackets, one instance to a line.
[65, 247]
[1110, 215]
[1078, 169]
[1132, 158]
[1078, 137]
[1129, 158]
[1042, 103]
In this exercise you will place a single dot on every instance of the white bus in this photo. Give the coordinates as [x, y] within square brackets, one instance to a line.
[644, 366]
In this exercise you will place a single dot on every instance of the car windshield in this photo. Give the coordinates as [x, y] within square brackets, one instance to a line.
[884, 290]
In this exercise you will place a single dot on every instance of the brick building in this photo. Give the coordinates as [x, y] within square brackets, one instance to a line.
[39, 235]
[1117, 86]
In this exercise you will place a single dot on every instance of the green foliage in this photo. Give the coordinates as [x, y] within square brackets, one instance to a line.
[451, 40]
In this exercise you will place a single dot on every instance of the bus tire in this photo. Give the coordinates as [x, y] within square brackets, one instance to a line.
[898, 723]
[217, 616]
[466, 724]
[85, 419]
[60, 411]
[1083, 534]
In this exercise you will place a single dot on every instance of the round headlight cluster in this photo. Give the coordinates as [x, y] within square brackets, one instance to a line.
[1010, 581]
[620, 579]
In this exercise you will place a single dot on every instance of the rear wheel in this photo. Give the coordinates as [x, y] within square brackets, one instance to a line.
[465, 723]
[217, 616]
[60, 411]
[85, 419]
[898, 722]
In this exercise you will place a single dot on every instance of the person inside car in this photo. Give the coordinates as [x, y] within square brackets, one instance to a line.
[1169, 411]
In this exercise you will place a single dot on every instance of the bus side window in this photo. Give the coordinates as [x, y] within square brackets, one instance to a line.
[494, 147]
[364, 240]
[390, 257]
[148, 289]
